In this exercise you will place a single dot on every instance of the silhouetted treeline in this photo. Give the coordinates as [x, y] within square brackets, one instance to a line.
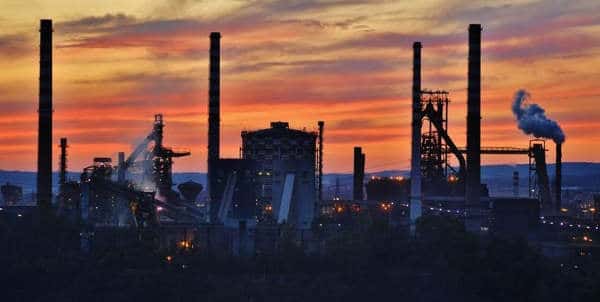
[443, 263]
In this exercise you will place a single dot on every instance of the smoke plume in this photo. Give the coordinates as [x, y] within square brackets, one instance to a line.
[531, 118]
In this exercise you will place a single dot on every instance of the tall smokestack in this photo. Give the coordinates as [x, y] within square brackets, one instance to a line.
[359, 174]
[415, 163]
[320, 189]
[121, 170]
[214, 115]
[44, 173]
[62, 176]
[539, 153]
[558, 180]
[474, 117]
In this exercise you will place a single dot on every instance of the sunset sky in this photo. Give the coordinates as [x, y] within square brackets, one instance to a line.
[347, 62]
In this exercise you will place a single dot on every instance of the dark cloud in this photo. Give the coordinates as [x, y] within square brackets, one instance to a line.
[296, 6]
[397, 40]
[520, 19]
[114, 103]
[175, 7]
[142, 77]
[354, 124]
[16, 45]
[347, 65]
[96, 23]
[344, 24]
[157, 34]
[543, 46]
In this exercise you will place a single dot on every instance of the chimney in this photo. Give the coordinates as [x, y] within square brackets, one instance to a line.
[415, 163]
[474, 117]
[121, 167]
[558, 172]
[359, 174]
[44, 167]
[320, 188]
[62, 176]
[539, 153]
[214, 118]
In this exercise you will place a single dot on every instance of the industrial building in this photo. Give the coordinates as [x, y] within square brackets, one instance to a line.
[388, 189]
[274, 181]
[285, 161]
[233, 195]
[278, 177]
[434, 182]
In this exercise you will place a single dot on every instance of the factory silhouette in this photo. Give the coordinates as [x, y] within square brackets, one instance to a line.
[264, 225]
[277, 181]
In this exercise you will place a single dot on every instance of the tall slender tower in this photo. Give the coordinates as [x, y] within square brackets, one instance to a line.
[359, 174]
[474, 117]
[320, 163]
[62, 176]
[558, 175]
[415, 163]
[214, 118]
[44, 164]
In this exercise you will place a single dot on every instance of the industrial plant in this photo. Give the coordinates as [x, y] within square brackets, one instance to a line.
[277, 182]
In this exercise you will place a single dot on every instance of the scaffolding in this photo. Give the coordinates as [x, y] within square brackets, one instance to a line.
[434, 149]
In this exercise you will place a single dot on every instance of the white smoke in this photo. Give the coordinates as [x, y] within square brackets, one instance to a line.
[531, 118]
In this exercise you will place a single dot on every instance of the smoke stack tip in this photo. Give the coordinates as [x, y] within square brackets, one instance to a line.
[475, 27]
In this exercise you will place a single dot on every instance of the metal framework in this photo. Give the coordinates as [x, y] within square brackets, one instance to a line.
[500, 150]
[434, 150]
[535, 166]
[156, 160]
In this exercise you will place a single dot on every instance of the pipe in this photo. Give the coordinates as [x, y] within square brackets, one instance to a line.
[474, 117]
[320, 184]
[415, 163]
[558, 180]
[214, 119]
[44, 164]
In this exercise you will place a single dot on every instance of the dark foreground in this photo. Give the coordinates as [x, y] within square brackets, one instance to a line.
[443, 263]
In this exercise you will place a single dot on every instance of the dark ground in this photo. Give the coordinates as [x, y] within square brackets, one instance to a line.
[444, 263]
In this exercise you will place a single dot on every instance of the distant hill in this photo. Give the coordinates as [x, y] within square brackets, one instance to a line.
[582, 175]
[499, 178]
